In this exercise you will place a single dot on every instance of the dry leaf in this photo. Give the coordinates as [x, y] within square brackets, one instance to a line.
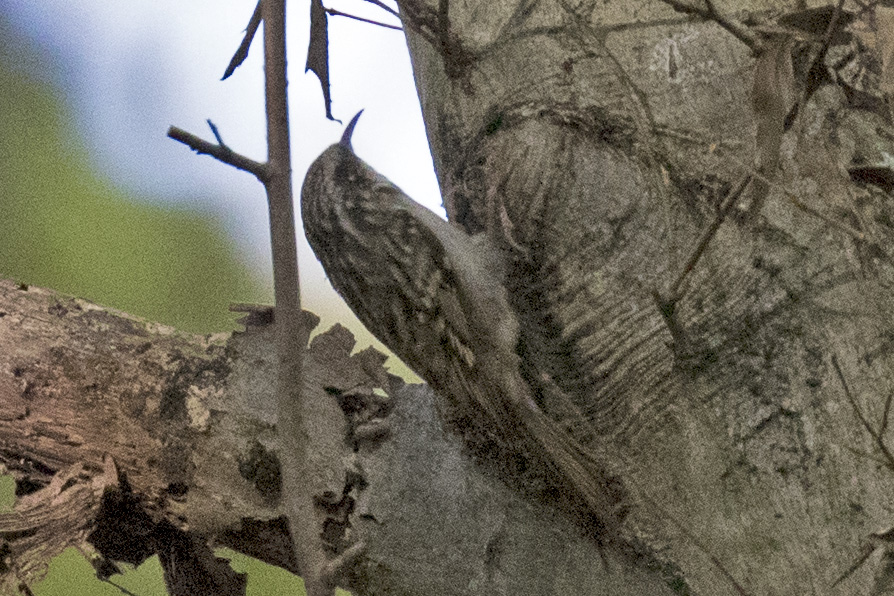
[772, 95]
[242, 53]
[318, 50]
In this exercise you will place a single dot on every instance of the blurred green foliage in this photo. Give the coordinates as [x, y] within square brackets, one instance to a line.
[63, 227]
[7, 492]
[71, 574]
[70, 570]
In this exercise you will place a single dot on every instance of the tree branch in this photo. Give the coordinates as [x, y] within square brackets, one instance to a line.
[300, 480]
[338, 13]
[384, 7]
[220, 152]
[877, 436]
[739, 30]
[725, 207]
[86, 399]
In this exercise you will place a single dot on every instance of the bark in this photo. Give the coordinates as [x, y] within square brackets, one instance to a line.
[129, 439]
[745, 408]
[747, 415]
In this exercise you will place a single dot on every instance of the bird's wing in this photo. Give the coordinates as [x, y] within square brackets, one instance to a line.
[436, 297]
[484, 376]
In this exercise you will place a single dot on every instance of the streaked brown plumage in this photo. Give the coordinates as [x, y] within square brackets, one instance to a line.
[434, 295]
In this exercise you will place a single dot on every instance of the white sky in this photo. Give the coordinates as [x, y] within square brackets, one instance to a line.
[130, 69]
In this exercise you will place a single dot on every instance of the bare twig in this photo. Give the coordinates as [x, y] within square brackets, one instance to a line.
[444, 21]
[830, 29]
[700, 546]
[242, 53]
[820, 57]
[121, 589]
[291, 332]
[216, 134]
[876, 436]
[739, 30]
[707, 236]
[862, 455]
[220, 153]
[293, 429]
[887, 411]
[856, 235]
[668, 309]
[876, 539]
[667, 303]
[338, 13]
[384, 7]
[868, 549]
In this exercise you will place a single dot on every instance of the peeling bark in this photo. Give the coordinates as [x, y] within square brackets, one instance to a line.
[128, 439]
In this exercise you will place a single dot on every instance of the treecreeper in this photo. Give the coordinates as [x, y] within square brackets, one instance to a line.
[435, 295]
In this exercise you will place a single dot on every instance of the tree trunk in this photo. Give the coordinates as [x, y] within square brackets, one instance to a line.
[730, 355]
[746, 407]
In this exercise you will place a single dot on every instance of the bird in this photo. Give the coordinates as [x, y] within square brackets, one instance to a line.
[435, 295]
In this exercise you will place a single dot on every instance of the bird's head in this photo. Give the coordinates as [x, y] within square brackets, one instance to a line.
[335, 176]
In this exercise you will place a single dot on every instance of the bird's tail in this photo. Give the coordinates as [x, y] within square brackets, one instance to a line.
[588, 485]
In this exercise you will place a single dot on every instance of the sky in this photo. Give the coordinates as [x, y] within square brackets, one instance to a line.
[129, 70]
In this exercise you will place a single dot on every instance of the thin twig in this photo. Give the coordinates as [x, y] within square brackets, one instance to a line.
[667, 304]
[384, 7]
[739, 30]
[121, 589]
[443, 20]
[668, 308]
[887, 411]
[856, 235]
[820, 57]
[725, 207]
[242, 52]
[699, 545]
[293, 426]
[338, 13]
[861, 455]
[830, 29]
[335, 569]
[877, 437]
[220, 153]
[216, 134]
[867, 552]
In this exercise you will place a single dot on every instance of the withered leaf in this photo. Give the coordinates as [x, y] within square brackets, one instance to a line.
[773, 94]
[318, 50]
[242, 52]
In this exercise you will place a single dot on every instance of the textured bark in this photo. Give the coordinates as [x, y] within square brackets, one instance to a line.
[128, 439]
[596, 140]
